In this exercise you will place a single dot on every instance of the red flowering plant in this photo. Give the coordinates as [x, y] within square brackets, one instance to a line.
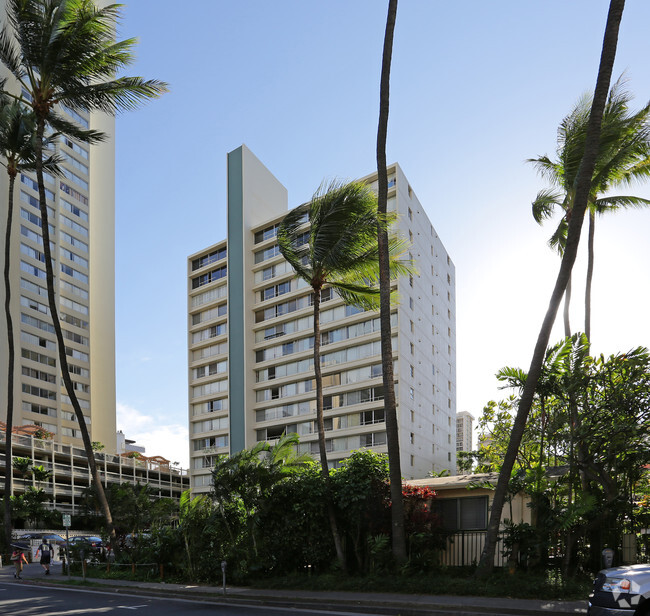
[418, 514]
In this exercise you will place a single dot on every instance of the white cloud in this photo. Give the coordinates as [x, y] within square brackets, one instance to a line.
[169, 440]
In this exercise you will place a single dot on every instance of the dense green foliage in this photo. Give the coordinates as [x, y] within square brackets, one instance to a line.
[266, 518]
[583, 456]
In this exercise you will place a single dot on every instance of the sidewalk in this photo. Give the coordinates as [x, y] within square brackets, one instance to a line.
[385, 603]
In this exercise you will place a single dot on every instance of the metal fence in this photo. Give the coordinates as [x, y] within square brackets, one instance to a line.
[464, 547]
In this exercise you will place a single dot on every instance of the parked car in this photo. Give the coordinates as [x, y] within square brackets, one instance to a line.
[136, 539]
[51, 538]
[621, 591]
[92, 543]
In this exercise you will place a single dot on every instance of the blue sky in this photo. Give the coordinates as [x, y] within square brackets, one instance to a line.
[476, 88]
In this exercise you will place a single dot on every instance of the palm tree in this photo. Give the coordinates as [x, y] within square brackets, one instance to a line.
[17, 134]
[338, 248]
[580, 204]
[623, 157]
[390, 406]
[62, 52]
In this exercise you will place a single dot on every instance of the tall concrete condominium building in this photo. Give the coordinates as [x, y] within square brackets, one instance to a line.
[251, 375]
[82, 229]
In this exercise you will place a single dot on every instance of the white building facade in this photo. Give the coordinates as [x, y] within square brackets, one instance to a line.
[250, 341]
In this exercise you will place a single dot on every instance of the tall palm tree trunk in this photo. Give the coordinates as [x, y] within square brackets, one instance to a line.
[567, 305]
[583, 184]
[10, 365]
[322, 448]
[590, 273]
[390, 406]
[63, 360]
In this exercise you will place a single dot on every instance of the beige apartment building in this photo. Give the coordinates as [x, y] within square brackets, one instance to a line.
[250, 340]
[82, 228]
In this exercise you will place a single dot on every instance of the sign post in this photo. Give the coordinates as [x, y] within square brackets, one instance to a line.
[66, 523]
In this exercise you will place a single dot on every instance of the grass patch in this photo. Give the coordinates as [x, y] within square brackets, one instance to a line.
[459, 582]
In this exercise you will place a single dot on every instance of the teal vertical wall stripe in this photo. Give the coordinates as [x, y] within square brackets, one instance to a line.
[236, 380]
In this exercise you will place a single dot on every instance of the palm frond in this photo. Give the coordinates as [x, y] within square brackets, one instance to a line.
[545, 203]
[558, 239]
[614, 203]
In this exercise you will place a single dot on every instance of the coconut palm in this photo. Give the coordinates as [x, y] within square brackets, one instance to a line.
[17, 148]
[623, 157]
[398, 534]
[62, 52]
[580, 204]
[332, 241]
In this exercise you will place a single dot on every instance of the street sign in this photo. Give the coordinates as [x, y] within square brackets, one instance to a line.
[66, 520]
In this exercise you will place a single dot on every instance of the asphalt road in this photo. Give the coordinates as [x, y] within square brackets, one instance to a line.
[17, 599]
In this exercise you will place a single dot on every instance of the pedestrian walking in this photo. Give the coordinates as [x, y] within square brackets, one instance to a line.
[45, 551]
[18, 558]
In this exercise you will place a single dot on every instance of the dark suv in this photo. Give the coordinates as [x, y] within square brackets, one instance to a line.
[621, 591]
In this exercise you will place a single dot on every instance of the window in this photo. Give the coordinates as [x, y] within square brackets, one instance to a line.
[411, 393]
[411, 303]
[412, 347]
[73, 241]
[33, 270]
[38, 391]
[268, 253]
[371, 417]
[73, 177]
[410, 280]
[73, 209]
[32, 407]
[412, 371]
[215, 274]
[467, 513]
[410, 214]
[38, 357]
[215, 255]
[69, 271]
[38, 374]
[73, 225]
[275, 290]
[68, 303]
[372, 440]
[76, 116]
[74, 162]
[75, 148]
[68, 190]
[73, 256]
[266, 234]
[34, 186]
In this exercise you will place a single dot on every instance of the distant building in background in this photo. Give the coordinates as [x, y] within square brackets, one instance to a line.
[250, 321]
[68, 466]
[464, 431]
[125, 445]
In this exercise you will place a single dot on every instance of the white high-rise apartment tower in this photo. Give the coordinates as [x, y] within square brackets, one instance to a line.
[82, 220]
[250, 340]
[464, 426]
